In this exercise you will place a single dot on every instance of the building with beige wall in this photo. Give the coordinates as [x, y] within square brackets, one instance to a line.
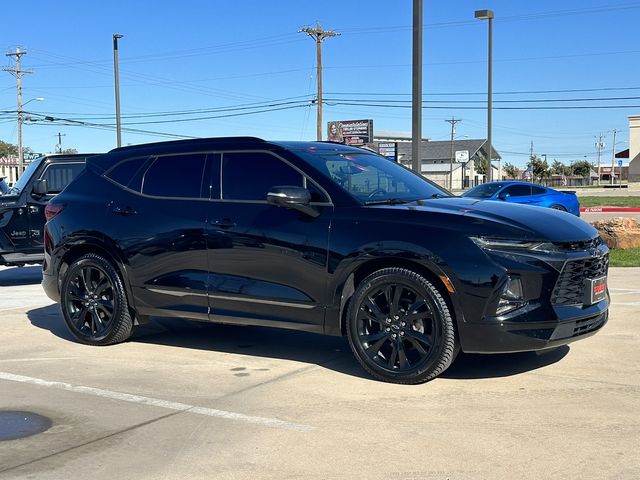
[634, 148]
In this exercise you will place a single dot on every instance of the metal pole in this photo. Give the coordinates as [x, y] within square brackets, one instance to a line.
[416, 97]
[20, 120]
[319, 64]
[489, 96]
[613, 155]
[116, 74]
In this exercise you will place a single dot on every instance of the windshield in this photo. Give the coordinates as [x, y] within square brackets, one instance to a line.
[24, 178]
[371, 178]
[486, 190]
[4, 188]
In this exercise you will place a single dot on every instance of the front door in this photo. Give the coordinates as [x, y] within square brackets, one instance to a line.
[267, 264]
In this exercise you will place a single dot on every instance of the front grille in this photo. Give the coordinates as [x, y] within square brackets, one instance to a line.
[580, 245]
[570, 287]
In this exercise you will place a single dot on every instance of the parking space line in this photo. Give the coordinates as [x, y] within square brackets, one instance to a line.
[156, 402]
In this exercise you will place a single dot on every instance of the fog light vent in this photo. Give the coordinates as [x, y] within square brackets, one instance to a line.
[511, 296]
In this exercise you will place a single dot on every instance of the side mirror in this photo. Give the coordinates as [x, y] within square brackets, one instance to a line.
[503, 196]
[40, 187]
[294, 198]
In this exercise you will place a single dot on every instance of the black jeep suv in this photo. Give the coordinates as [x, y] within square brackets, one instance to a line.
[22, 206]
[318, 237]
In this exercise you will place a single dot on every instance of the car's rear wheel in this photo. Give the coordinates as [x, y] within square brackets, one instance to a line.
[559, 207]
[94, 302]
[400, 328]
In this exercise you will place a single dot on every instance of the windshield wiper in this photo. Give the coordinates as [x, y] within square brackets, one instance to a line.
[388, 201]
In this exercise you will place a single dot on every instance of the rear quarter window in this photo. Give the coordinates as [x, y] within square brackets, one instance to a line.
[59, 175]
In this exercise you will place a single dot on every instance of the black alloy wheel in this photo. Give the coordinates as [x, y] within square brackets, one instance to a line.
[400, 327]
[94, 303]
[559, 207]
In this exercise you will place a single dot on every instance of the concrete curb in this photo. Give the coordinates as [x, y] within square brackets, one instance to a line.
[610, 209]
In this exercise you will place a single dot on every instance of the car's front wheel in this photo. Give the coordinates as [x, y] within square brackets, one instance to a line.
[94, 302]
[400, 327]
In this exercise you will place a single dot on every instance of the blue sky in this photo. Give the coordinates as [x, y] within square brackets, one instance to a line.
[207, 55]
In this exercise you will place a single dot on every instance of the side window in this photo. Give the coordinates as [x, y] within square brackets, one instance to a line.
[518, 190]
[250, 175]
[59, 175]
[537, 190]
[129, 173]
[178, 176]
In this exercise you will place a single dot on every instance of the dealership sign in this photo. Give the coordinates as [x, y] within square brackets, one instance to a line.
[462, 155]
[350, 132]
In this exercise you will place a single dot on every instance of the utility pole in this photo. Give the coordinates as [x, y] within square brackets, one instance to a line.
[18, 72]
[599, 147]
[59, 146]
[613, 155]
[453, 122]
[318, 34]
[416, 90]
[531, 152]
[116, 75]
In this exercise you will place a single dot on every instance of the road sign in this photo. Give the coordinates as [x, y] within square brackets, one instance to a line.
[462, 156]
[619, 163]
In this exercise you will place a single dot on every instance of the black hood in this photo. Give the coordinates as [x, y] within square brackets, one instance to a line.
[526, 222]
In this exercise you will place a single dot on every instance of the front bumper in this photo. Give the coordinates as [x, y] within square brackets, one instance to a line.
[513, 336]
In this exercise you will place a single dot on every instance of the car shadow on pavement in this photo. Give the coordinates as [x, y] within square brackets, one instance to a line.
[20, 276]
[326, 351]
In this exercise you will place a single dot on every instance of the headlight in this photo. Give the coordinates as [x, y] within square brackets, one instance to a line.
[504, 244]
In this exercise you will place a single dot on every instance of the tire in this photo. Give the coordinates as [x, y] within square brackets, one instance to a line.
[94, 303]
[400, 327]
[559, 207]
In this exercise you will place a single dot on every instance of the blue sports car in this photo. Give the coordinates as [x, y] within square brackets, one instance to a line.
[526, 193]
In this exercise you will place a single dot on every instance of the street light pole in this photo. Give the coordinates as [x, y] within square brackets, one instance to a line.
[488, 15]
[116, 74]
[416, 95]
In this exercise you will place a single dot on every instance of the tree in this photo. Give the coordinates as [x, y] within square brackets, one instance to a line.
[7, 149]
[480, 164]
[559, 168]
[540, 167]
[582, 168]
[69, 151]
[512, 171]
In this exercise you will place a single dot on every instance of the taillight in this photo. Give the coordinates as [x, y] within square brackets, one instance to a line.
[53, 209]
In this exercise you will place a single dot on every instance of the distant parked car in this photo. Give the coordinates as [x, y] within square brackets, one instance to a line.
[4, 188]
[528, 194]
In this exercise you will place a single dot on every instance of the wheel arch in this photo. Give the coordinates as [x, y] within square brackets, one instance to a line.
[100, 247]
[429, 270]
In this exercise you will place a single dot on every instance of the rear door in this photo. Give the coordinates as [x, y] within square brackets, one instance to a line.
[267, 264]
[157, 219]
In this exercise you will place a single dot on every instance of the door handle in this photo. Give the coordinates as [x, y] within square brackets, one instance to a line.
[224, 223]
[33, 209]
[123, 211]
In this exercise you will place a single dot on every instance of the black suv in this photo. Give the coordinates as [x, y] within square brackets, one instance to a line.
[317, 237]
[22, 206]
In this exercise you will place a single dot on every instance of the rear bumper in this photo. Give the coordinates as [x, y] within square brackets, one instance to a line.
[513, 336]
[17, 258]
[50, 286]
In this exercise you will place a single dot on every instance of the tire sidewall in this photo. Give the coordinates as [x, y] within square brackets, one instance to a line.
[119, 298]
[443, 323]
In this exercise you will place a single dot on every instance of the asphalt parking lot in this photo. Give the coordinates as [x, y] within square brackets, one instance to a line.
[187, 400]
